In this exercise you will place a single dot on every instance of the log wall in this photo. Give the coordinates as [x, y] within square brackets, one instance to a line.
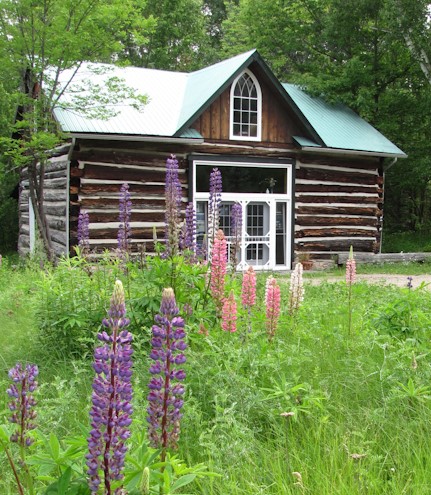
[97, 173]
[338, 204]
[55, 198]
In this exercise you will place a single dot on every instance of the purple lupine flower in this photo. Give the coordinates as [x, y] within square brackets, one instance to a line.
[188, 238]
[165, 399]
[23, 402]
[173, 194]
[236, 232]
[409, 283]
[124, 231]
[214, 206]
[83, 232]
[111, 398]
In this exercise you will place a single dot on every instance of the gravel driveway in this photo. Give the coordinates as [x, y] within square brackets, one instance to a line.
[399, 280]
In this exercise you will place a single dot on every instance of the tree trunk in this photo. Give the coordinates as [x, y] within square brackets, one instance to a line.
[36, 183]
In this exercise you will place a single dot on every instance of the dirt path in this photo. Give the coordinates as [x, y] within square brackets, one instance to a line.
[399, 280]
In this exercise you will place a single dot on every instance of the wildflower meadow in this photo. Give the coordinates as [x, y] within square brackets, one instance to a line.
[177, 374]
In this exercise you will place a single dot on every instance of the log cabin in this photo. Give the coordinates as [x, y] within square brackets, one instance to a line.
[308, 174]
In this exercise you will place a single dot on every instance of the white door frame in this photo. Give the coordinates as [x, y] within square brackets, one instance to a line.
[245, 198]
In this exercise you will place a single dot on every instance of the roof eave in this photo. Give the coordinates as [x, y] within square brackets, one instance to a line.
[136, 138]
[338, 151]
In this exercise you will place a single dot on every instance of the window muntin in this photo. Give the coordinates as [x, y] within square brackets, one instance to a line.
[246, 103]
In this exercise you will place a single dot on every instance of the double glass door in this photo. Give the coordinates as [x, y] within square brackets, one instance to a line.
[262, 241]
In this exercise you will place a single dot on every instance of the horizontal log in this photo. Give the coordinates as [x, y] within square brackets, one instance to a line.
[56, 223]
[24, 241]
[55, 175]
[336, 188]
[136, 233]
[55, 195]
[127, 174]
[58, 183]
[151, 203]
[338, 210]
[300, 198]
[335, 245]
[333, 232]
[149, 216]
[123, 157]
[134, 188]
[58, 236]
[366, 163]
[58, 248]
[57, 164]
[311, 220]
[385, 257]
[55, 209]
[335, 176]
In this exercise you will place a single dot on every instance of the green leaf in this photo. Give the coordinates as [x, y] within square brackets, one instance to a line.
[63, 482]
[54, 445]
[184, 480]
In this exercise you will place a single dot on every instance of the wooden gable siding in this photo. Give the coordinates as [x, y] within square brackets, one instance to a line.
[98, 169]
[55, 204]
[278, 123]
[338, 204]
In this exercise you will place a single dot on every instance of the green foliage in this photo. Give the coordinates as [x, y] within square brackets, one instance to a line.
[72, 302]
[361, 402]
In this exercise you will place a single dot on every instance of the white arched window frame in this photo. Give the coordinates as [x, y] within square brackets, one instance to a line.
[246, 108]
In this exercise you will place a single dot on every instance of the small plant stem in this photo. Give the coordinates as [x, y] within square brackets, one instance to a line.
[12, 465]
[350, 309]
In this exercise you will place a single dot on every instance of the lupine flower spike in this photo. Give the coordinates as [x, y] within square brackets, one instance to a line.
[214, 207]
[218, 269]
[188, 237]
[296, 290]
[173, 206]
[248, 295]
[350, 280]
[83, 232]
[229, 313]
[124, 231]
[111, 398]
[350, 268]
[165, 399]
[272, 299]
[409, 283]
[23, 402]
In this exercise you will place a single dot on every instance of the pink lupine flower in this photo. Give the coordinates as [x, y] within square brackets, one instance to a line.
[272, 299]
[248, 297]
[218, 268]
[350, 269]
[296, 290]
[229, 314]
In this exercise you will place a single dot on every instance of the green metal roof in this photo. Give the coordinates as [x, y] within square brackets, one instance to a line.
[176, 99]
[338, 126]
[203, 86]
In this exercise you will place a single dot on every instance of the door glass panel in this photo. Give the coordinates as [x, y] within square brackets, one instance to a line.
[280, 234]
[257, 234]
[201, 222]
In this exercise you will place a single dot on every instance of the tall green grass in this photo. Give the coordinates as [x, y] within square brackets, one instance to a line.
[361, 418]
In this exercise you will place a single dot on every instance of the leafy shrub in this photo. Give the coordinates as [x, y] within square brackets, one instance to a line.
[71, 304]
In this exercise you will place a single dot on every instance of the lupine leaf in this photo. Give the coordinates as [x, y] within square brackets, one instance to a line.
[184, 480]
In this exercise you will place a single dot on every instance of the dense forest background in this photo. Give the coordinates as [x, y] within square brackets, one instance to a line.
[373, 55]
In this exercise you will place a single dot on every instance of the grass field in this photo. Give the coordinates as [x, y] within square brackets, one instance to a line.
[360, 396]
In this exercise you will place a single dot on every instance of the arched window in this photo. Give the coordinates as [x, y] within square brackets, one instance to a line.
[245, 108]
